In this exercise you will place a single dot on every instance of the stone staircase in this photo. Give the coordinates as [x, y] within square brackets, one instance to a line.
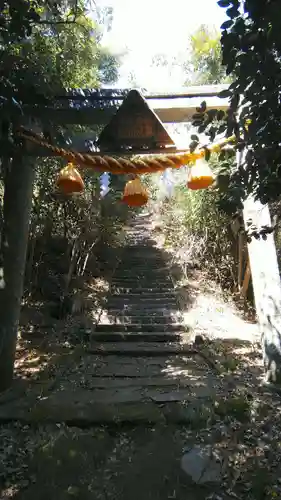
[139, 365]
[145, 368]
[142, 312]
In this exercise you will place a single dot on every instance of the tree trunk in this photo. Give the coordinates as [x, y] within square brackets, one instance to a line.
[17, 206]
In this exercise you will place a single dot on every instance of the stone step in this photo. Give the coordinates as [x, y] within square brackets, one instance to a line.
[143, 262]
[138, 257]
[145, 327]
[118, 366]
[140, 297]
[158, 310]
[142, 245]
[57, 409]
[116, 336]
[140, 348]
[145, 296]
[135, 281]
[138, 223]
[142, 282]
[140, 308]
[135, 238]
[139, 234]
[140, 305]
[136, 291]
[118, 405]
[141, 382]
[139, 229]
[160, 285]
[137, 285]
[142, 249]
[140, 319]
[161, 322]
[140, 262]
[133, 271]
[147, 275]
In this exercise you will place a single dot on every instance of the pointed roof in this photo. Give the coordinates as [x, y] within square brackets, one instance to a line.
[134, 125]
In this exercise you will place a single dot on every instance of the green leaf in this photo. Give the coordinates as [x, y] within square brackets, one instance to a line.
[193, 145]
[220, 114]
[222, 128]
[202, 128]
[224, 3]
[198, 116]
[212, 133]
[196, 123]
[203, 106]
[212, 114]
[207, 154]
[232, 12]
[226, 25]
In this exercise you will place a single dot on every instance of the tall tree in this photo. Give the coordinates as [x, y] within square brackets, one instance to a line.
[201, 62]
[44, 45]
[205, 60]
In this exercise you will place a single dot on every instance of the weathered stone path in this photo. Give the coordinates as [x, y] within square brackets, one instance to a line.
[136, 367]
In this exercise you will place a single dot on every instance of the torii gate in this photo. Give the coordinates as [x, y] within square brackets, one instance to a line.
[77, 107]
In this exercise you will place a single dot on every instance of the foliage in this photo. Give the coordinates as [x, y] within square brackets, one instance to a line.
[59, 47]
[108, 67]
[198, 230]
[205, 57]
[251, 49]
[200, 62]
[16, 20]
[66, 232]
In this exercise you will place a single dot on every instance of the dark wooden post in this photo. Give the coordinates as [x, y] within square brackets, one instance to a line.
[18, 186]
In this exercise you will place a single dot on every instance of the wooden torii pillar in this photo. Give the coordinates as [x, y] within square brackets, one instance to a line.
[266, 286]
[266, 283]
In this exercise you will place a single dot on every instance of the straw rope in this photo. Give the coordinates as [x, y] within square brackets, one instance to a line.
[136, 164]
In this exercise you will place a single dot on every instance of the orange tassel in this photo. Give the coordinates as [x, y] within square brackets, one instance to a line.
[69, 180]
[200, 175]
[135, 194]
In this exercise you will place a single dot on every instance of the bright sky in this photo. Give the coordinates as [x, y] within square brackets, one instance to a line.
[150, 27]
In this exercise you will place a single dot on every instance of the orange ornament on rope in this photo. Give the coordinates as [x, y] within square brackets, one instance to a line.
[69, 180]
[135, 194]
[200, 175]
